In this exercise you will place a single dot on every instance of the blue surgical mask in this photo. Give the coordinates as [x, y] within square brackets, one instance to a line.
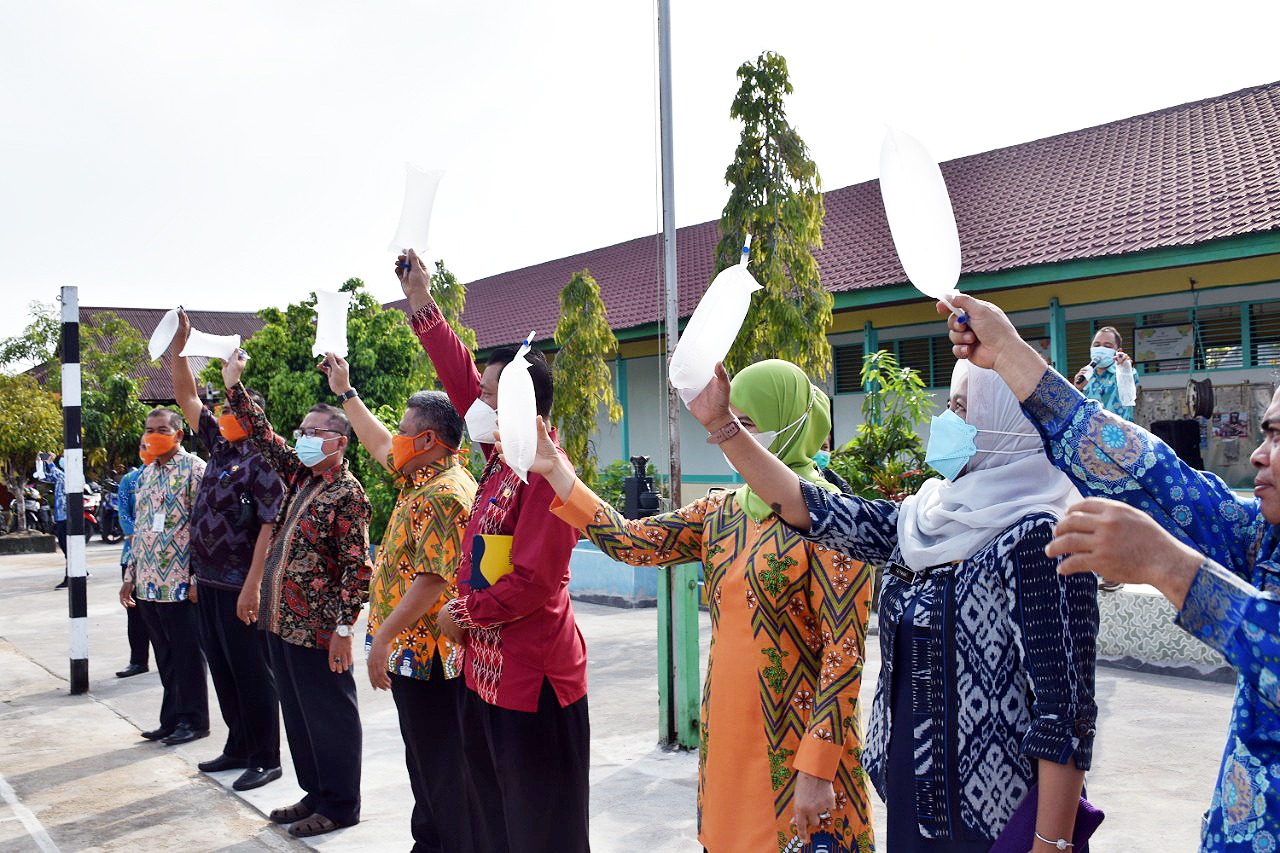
[1102, 356]
[951, 444]
[310, 450]
[822, 459]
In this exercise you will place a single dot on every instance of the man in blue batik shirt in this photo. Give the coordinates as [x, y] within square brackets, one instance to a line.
[51, 473]
[1214, 555]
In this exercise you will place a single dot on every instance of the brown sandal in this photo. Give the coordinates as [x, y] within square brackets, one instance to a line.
[316, 824]
[288, 814]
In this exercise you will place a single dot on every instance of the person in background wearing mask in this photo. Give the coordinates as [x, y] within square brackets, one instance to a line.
[125, 497]
[527, 729]
[1097, 380]
[413, 577]
[314, 582]
[158, 576]
[985, 699]
[231, 525]
[52, 473]
[779, 722]
[823, 460]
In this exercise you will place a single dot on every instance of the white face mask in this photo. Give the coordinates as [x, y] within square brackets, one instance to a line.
[482, 421]
[766, 439]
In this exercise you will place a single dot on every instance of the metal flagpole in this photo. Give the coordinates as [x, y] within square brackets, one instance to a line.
[73, 462]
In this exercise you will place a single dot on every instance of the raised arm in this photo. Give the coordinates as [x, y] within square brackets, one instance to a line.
[184, 381]
[279, 455]
[452, 360]
[1106, 455]
[375, 437]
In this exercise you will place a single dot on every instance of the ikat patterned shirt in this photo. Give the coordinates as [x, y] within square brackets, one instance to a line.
[423, 535]
[317, 570]
[124, 507]
[160, 551]
[1233, 604]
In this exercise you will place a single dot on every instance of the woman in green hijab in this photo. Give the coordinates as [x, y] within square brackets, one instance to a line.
[781, 733]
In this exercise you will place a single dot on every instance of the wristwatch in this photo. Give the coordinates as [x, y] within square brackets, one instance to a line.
[343, 630]
[725, 432]
[347, 395]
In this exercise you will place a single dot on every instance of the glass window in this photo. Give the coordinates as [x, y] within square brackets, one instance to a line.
[915, 353]
[1264, 333]
[1220, 344]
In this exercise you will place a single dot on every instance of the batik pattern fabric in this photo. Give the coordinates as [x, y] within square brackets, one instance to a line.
[1001, 670]
[317, 568]
[54, 476]
[1233, 603]
[124, 510]
[520, 630]
[1103, 388]
[788, 630]
[160, 556]
[239, 493]
[423, 536]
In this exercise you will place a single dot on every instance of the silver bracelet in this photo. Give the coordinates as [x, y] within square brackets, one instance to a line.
[1061, 843]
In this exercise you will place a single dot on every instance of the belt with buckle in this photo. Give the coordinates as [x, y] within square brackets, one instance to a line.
[908, 576]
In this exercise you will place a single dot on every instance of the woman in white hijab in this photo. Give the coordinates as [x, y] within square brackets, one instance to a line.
[987, 654]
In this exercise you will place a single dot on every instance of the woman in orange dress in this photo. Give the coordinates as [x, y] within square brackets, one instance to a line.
[779, 768]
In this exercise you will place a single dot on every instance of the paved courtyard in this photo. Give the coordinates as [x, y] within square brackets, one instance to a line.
[75, 775]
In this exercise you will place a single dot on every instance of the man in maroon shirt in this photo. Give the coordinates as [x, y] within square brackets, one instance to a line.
[526, 732]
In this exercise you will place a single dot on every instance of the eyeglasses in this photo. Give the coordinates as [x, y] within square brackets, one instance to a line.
[310, 432]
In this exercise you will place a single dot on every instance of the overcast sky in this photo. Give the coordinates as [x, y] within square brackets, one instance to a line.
[233, 155]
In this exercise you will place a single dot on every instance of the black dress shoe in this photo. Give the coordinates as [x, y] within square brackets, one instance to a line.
[132, 669]
[256, 777]
[184, 734]
[222, 762]
[62, 585]
[158, 734]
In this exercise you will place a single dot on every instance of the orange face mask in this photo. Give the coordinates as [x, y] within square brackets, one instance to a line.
[158, 444]
[403, 451]
[146, 456]
[229, 426]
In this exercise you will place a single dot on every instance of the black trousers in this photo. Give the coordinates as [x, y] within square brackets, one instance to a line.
[429, 724]
[322, 724]
[529, 774]
[137, 632]
[242, 679]
[174, 630]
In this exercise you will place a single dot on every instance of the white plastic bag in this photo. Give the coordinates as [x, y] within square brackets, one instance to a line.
[518, 413]
[712, 328]
[415, 215]
[163, 334]
[212, 346]
[331, 323]
[1126, 387]
[921, 220]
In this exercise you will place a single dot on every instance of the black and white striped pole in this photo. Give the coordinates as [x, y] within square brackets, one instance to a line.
[73, 462]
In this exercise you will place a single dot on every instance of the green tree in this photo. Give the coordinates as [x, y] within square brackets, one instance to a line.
[580, 373]
[885, 459]
[112, 352]
[30, 422]
[281, 368]
[777, 199]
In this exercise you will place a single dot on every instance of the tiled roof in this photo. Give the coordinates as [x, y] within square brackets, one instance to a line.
[156, 385]
[1177, 177]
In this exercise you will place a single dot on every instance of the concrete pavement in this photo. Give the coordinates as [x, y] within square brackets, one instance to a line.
[74, 774]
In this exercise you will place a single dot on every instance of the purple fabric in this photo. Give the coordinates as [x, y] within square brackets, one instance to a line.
[1019, 833]
[239, 493]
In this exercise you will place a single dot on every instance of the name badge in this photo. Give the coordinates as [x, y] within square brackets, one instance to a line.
[157, 522]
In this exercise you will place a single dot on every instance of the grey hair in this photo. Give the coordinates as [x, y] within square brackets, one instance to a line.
[433, 410]
[175, 419]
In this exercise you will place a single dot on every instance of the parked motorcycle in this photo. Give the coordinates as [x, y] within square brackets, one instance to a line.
[109, 512]
[35, 508]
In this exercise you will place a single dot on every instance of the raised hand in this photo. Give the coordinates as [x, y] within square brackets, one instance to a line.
[545, 459]
[412, 273]
[233, 368]
[711, 406]
[180, 337]
[338, 371]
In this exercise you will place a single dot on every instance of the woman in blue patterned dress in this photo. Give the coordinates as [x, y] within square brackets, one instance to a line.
[987, 655]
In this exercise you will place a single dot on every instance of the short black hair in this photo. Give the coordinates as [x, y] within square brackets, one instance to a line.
[539, 371]
[434, 411]
[175, 419]
[256, 398]
[337, 419]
